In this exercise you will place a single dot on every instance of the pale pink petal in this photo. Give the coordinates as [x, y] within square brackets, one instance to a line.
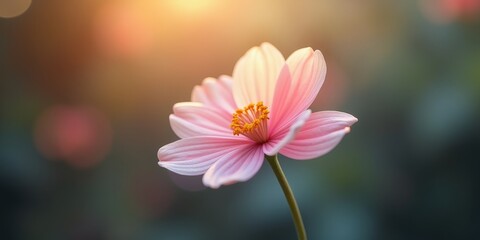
[238, 165]
[193, 156]
[280, 139]
[216, 94]
[194, 119]
[255, 75]
[320, 134]
[297, 87]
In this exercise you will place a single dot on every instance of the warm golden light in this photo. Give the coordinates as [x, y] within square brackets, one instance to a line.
[122, 31]
[13, 8]
[192, 6]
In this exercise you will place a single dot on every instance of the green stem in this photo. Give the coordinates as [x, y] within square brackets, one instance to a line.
[297, 217]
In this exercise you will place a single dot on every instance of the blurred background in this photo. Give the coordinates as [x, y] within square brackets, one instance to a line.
[87, 86]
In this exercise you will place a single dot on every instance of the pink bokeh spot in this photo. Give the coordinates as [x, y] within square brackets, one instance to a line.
[445, 11]
[81, 136]
[461, 8]
[272, 96]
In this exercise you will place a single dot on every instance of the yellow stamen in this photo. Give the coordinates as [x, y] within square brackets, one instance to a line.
[251, 121]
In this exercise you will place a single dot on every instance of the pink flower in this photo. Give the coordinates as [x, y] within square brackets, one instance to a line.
[232, 122]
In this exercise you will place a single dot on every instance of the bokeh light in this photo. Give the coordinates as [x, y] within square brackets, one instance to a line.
[122, 31]
[13, 8]
[445, 11]
[81, 136]
[192, 8]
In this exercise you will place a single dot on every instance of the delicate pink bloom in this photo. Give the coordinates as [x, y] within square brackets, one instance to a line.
[232, 122]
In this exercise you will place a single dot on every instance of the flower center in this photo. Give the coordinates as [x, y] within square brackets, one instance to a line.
[251, 121]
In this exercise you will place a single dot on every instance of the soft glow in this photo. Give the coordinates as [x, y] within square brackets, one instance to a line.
[78, 135]
[13, 8]
[192, 6]
[445, 11]
[121, 30]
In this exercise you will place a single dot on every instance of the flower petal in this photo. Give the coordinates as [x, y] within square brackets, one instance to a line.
[280, 139]
[255, 75]
[193, 156]
[216, 94]
[297, 87]
[320, 134]
[191, 119]
[238, 165]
